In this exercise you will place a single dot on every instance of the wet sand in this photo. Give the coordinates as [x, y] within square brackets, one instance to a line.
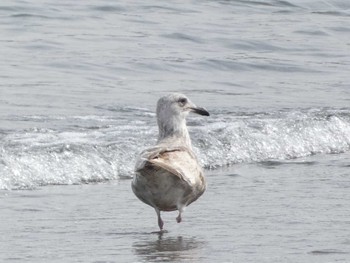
[294, 211]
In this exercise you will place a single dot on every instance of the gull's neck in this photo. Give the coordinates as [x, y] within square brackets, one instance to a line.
[173, 131]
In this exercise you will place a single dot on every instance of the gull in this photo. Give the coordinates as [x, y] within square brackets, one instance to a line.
[168, 176]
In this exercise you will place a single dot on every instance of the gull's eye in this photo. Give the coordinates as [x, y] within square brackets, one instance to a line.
[182, 101]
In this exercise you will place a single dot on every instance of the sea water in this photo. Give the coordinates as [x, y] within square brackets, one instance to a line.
[79, 85]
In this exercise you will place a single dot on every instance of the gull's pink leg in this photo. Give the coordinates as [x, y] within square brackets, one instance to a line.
[178, 218]
[160, 221]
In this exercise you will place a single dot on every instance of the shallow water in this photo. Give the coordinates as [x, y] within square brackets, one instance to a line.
[287, 211]
[79, 84]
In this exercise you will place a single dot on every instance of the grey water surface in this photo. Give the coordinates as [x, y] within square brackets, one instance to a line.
[79, 84]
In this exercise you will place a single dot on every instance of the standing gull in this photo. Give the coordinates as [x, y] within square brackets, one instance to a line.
[168, 176]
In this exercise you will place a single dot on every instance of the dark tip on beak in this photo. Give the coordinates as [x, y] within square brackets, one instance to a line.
[200, 111]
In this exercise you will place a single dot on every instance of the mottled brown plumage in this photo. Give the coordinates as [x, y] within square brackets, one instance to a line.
[168, 176]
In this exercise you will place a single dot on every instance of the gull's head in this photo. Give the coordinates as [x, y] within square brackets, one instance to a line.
[172, 110]
[176, 105]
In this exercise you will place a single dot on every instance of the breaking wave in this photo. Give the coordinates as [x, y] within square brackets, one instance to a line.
[98, 149]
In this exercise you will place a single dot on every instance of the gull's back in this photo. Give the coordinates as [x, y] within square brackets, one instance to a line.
[168, 178]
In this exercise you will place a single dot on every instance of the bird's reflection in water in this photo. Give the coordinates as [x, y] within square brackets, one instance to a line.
[169, 249]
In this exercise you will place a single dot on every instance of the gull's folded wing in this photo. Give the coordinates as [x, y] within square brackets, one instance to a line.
[180, 162]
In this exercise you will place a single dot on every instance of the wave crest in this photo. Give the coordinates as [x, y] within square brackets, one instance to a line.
[38, 157]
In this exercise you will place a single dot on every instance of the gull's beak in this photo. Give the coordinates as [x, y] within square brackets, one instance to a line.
[200, 111]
